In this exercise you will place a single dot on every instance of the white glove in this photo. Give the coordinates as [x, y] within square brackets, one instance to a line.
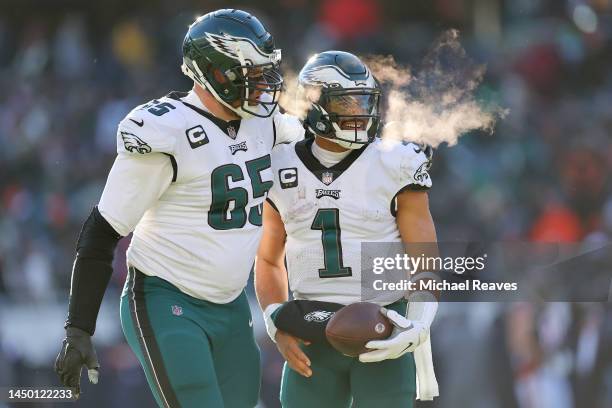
[405, 338]
[270, 326]
[409, 331]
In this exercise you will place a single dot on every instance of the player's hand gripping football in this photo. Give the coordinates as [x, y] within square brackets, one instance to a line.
[289, 347]
[77, 351]
[406, 337]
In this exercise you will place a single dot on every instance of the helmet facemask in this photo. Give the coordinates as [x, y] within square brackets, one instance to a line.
[258, 85]
[347, 116]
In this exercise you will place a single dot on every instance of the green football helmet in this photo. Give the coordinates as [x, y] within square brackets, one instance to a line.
[232, 55]
[343, 98]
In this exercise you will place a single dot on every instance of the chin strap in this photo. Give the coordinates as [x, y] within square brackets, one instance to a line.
[344, 137]
[348, 145]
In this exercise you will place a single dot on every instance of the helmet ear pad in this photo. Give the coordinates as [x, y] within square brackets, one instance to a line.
[224, 87]
[219, 76]
[319, 122]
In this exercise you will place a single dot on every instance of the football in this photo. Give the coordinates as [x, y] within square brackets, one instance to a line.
[351, 327]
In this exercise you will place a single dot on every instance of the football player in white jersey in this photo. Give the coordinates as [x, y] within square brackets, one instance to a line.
[332, 192]
[189, 180]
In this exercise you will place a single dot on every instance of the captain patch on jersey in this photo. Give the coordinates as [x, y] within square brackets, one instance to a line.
[328, 212]
[180, 169]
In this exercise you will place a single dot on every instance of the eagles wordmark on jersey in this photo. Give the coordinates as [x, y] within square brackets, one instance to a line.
[220, 176]
[333, 192]
[328, 212]
[189, 180]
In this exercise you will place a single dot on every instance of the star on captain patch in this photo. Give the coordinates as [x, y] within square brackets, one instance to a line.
[327, 177]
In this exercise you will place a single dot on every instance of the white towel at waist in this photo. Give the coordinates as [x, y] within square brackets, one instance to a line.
[427, 385]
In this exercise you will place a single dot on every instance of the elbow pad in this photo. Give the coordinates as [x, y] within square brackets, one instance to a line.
[93, 267]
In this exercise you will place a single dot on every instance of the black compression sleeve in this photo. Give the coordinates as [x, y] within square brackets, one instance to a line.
[305, 319]
[91, 272]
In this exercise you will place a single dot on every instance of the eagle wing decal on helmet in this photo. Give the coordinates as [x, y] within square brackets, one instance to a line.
[230, 46]
[224, 44]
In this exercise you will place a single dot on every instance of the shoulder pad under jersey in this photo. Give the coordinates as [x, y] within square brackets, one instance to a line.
[409, 163]
[150, 128]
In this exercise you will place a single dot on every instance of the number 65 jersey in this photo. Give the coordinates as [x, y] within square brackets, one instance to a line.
[329, 212]
[191, 187]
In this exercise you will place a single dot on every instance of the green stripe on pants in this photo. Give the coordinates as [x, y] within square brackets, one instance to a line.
[194, 353]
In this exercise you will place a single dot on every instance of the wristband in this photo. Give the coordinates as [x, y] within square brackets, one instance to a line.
[270, 326]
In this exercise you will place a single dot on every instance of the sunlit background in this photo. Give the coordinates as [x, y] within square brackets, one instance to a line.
[70, 70]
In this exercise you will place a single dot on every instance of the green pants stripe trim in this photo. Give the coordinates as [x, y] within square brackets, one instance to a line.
[148, 345]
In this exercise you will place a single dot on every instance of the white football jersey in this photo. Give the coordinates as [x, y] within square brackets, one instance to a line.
[192, 186]
[329, 212]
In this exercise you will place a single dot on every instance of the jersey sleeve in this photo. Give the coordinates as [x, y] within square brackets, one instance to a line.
[133, 186]
[287, 128]
[414, 165]
[272, 197]
[138, 134]
[141, 172]
[282, 175]
[409, 164]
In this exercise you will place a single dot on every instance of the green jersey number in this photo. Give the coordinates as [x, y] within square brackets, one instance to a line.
[327, 220]
[220, 216]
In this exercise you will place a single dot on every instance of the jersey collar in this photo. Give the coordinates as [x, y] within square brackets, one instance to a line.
[230, 128]
[304, 153]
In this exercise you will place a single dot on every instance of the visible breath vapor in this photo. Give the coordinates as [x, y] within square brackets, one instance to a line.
[437, 104]
[386, 70]
[291, 99]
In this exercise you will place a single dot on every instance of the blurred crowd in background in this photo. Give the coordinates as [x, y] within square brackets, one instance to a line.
[69, 71]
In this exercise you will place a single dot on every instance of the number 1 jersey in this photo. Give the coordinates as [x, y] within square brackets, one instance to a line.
[329, 212]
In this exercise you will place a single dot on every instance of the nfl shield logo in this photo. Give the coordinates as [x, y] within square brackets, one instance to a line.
[231, 131]
[177, 310]
[327, 177]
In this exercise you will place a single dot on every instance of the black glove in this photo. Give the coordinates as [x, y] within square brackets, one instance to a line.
[77, 350]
